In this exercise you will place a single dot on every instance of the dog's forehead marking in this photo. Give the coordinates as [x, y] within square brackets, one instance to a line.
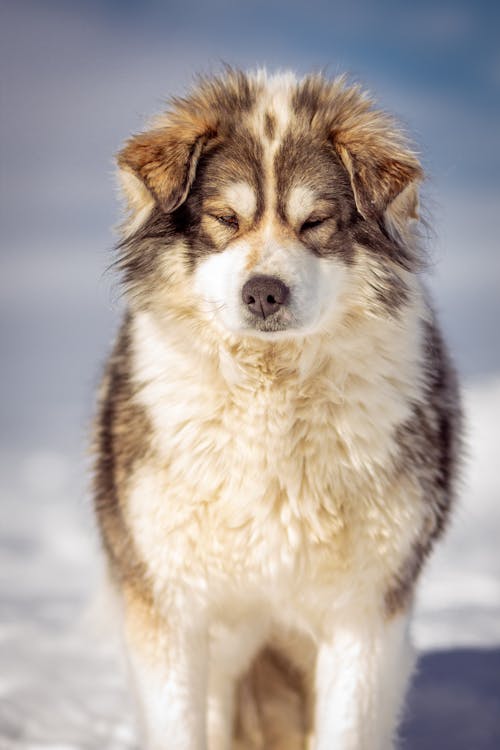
[274, 115]
[241, 197]
[273, 112]
[300, 203]
[279, 111]
[269, 121]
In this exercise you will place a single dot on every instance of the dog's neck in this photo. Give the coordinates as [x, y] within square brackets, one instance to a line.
[301, 364]
[161, 342]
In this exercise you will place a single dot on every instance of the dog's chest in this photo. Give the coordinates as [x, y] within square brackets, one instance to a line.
[266, 487]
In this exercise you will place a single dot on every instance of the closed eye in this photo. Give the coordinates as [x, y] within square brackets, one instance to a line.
[228, 220]
[312, 222]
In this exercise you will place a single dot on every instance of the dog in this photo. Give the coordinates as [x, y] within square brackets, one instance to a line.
[278, 435]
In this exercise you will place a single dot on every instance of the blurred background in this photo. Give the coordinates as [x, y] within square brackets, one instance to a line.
[77, 79]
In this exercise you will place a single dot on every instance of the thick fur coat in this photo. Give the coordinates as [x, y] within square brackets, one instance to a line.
[276, 445]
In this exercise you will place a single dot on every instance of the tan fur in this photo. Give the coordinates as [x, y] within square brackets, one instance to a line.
[263, 486]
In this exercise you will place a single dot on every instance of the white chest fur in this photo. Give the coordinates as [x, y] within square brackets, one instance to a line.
[269, 486]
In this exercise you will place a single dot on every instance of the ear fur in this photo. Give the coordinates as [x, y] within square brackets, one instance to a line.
[373, 150]
[160, 164]
[165, 160]
[378, 179]
[403, 209]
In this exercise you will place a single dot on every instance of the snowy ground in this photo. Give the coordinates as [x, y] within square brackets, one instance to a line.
[61, 680]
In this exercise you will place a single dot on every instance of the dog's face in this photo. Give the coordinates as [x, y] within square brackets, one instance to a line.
[272, 235]
[271, 194]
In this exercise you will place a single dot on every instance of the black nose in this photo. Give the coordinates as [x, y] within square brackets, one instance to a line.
[263, 295]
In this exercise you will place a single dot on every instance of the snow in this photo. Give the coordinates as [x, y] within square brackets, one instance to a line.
[459, 601]
[62, 679]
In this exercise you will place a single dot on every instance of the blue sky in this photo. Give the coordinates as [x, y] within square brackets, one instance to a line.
[79, 77]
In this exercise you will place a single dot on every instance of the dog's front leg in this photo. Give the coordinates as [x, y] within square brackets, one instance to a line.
[361, 676]
[168, 660]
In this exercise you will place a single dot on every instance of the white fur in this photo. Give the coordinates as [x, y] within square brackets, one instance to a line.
[241, 198]
[172, 691]
[275, 100]
[360, 685]
[301, 204]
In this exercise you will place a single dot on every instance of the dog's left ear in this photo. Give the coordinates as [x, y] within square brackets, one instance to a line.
[161, 163]
[384, 177]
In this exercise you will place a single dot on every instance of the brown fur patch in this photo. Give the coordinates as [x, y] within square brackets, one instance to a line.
[371, 146]
[166, 157]
[269, 126]
[429, 448]
[238, 160]
[303, 160]
[274, 705]
[121, 440]
[376, 180]
[166, 160]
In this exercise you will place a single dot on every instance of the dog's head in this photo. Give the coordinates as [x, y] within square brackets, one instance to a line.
[258, 204]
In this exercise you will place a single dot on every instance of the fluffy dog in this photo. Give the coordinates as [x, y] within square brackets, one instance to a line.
[277, 439]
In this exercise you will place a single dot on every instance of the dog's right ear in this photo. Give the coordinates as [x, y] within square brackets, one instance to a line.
[160, 164]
